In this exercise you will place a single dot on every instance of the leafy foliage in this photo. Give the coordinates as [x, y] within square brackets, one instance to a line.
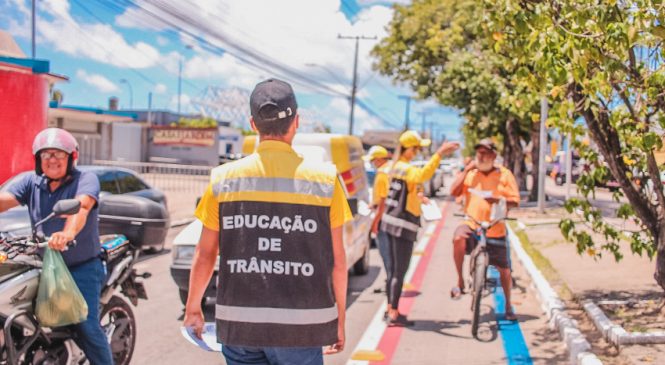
[601, 61]
[204, 122]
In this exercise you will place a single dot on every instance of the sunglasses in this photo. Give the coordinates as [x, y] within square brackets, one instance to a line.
[59, 155]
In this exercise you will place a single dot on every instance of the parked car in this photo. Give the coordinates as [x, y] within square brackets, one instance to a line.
[345, 152]
[432, 186]
[119, 188]
[449, 166]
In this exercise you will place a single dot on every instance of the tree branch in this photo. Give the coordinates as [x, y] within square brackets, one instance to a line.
[608, 142]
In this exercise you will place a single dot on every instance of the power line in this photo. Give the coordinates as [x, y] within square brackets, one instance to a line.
[106, 51]
[113, 6]
[249, 56]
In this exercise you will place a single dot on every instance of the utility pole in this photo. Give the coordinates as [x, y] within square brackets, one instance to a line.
[34, 50]
[354, 83]
[544, 109]
[406, 113]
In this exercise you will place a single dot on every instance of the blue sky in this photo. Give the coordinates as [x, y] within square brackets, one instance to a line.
[224, 45]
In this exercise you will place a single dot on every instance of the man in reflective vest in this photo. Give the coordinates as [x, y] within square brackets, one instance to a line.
[275, 221]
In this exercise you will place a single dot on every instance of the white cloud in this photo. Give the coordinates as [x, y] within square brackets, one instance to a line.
[57, 29]
[336, 115]
[100, 82]
[160, 89]
[258, 27]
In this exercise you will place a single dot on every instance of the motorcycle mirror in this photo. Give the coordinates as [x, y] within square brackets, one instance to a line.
[67, 207]
[62, 207]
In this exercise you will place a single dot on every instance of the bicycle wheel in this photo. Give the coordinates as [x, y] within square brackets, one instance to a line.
[479, 272]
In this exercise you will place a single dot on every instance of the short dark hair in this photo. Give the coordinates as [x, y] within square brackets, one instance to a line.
[275, 128]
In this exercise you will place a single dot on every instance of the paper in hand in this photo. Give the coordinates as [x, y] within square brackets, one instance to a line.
[431, 211]
[481, 193]
[209, 337]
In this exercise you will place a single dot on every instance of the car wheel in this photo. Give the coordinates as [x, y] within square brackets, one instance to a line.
[558, 180]
[361, 267]
[155, 249]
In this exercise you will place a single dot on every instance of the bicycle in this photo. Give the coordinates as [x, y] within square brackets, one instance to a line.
[479, 262]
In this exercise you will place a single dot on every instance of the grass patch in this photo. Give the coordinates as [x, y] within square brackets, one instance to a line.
[543, 264]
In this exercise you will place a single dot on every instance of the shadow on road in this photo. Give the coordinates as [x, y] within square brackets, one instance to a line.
[440, 327]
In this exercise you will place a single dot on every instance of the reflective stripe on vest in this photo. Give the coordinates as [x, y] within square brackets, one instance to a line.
[275, 184]
[398, 222]
[276, 315]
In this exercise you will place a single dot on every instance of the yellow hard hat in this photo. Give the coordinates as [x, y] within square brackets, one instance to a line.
[413, 139]
[376, 152]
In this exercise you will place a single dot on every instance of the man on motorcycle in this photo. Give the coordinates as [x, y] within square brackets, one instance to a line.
[56, 178]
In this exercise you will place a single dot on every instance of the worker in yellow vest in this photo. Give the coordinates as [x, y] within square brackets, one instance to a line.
[275, 221]
[401, 219]
[379, 157]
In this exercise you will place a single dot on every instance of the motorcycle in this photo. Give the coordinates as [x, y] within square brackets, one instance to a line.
[23, 340]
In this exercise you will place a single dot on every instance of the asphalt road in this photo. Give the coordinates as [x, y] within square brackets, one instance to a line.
[160, 317]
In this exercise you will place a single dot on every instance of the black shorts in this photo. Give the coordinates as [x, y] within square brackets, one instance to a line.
[497, 249]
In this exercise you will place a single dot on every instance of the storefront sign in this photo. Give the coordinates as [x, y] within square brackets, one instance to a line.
[184, 136]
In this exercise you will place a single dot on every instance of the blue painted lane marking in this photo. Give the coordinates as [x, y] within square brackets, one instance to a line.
[514, 344]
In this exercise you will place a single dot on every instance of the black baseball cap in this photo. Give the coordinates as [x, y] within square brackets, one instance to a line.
[487, 143]
[272, 100]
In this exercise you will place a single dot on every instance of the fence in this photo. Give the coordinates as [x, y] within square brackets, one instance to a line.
[170, 178]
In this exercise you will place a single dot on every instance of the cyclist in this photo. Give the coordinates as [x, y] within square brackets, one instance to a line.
[482, 174]
[56, 178]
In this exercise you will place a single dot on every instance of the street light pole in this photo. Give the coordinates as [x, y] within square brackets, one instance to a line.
[131, 92]
[354, 83]
[179, 83]
[423, 129]
[180, 78]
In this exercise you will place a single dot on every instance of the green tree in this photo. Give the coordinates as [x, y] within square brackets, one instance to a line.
[203, 122]
[440, 50]
[602, 61]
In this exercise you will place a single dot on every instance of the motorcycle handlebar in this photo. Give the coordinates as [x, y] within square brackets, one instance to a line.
[27, 241]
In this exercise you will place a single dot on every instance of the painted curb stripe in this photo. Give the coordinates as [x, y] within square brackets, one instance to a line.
[514, 345]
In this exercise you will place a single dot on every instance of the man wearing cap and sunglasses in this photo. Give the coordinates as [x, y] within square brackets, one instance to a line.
[401, 219]
[275, 221]
[482, 174]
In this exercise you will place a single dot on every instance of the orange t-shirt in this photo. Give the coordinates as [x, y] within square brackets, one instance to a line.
[501, 183]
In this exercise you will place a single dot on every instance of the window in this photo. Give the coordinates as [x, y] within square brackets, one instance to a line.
[130, 183]
[107, 181]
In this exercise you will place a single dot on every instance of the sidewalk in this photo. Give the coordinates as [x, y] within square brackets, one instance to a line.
[442, 330]
[579, 277]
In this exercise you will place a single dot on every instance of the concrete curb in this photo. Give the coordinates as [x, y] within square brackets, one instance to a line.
[577, 345]
[182, 222]
[617, 335]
